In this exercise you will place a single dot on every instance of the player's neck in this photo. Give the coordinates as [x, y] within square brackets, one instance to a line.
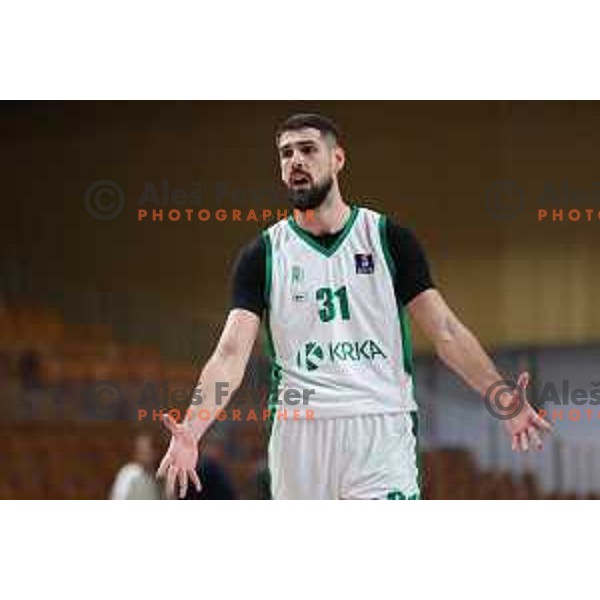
[329, 217]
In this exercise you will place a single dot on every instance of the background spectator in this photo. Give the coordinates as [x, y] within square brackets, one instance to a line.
[135, 481]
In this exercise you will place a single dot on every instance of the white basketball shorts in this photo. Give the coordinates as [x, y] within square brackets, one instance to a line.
[369, 457]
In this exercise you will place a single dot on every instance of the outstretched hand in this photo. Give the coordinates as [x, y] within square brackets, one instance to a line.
[526, 427]
[179, 463]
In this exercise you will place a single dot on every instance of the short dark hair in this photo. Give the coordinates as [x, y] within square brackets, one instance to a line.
[302, 120]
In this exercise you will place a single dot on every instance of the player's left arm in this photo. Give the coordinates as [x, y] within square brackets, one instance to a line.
[460, 350]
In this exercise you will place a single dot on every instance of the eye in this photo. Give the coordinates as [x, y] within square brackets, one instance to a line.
[307, 149]
[287, 153]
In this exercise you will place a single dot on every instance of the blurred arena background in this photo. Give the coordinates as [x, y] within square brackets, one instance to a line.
[91, 294]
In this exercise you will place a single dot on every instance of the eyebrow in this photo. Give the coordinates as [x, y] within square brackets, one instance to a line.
[300, 143]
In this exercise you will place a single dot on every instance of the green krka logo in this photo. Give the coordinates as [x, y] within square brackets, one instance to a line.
[313, 354]
[310, 357]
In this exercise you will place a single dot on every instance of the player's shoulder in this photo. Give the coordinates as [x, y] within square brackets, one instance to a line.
[278, 234]
[397, 232]
[270, 236]
[391, 220]
[377, 218]
[275, 227]
[368, 213]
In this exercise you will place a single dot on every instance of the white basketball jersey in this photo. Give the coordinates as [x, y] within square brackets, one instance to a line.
[334, 325]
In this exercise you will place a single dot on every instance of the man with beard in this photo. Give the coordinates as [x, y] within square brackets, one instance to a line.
[333, 291]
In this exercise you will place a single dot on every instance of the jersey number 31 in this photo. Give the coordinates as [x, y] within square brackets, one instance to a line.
[327, 299]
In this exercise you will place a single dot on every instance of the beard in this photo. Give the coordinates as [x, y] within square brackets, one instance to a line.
[310, 198]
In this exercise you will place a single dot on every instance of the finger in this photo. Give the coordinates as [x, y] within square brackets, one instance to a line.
[171, 477]
[183, 483]
[523, 380]
[542, 424]
[515, 443]
[195, 479]
[534, 437]
[170, 423]
[524, 442]
[162, 469]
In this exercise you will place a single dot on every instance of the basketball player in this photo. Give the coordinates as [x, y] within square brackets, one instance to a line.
[333, 290]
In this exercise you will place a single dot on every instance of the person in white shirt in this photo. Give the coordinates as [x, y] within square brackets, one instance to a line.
[135, 480]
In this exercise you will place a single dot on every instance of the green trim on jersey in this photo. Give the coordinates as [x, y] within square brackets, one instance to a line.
[404, 322]
[275, 378]
[397, 494]
[415, 429]
[314, 244]
[268, 266]
[406, 342]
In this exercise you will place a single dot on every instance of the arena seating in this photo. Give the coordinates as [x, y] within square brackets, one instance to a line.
[62, 462]
[72, 455]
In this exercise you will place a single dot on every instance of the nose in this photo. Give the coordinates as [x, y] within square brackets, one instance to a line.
[298, 160]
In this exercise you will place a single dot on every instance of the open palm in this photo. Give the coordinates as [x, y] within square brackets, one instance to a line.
[526, 427]
[178, 465]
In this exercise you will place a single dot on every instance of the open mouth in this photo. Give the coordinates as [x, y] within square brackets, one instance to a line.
[300, 179]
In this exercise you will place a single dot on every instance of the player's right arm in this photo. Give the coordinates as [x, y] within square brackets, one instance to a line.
[221, 376]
